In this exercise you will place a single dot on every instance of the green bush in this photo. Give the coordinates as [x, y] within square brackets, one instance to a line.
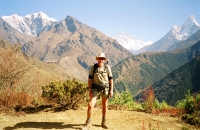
[160, 106]
[198, 103]
[191, 119]
[70, 93]
[189, 105]
[192, 109]
[164, 105]
[181, 104]
[123, 99]
[156, 104]
[137, 106]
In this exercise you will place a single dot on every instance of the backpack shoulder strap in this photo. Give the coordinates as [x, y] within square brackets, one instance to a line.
[95, 67]
[106, 68]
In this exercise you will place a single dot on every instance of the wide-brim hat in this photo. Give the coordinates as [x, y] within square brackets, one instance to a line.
[101, 55]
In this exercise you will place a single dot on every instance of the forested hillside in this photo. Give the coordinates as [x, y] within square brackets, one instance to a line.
[175, 85]
[135, 73]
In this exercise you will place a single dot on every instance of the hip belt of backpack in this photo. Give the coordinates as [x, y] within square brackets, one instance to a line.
[99, 88]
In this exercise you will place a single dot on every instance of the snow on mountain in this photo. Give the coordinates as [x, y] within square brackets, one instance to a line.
[129, 42]
[34, 24]
[190, 27]
[31, 24]
[175, 35]
[18, 23]
[41, 15]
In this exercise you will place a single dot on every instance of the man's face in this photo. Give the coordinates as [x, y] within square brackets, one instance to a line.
[101, 60]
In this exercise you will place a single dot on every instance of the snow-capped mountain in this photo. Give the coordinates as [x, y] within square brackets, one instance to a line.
[31, 24]
[130, 43]
[175, 35]
[190, 27]
[34, 24]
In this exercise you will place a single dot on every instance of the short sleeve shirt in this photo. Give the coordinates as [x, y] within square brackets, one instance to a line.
[101, 76]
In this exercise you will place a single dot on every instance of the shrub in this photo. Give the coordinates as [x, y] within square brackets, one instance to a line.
[38, 101]
[15, 83]
[148, 97]
[192, 109]
[189, 105]
[10, 100]
[164, 105]
[122, 100]
[13, 71]
[181, 104]
[156, 104]
[70, 93]
[137, 106]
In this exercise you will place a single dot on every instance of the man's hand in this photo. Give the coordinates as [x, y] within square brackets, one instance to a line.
[110, 94]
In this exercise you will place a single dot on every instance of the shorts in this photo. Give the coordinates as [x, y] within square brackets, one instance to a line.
[98, 94]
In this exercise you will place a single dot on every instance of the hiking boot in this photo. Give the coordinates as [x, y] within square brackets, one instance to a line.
[104, 125]
[87, 125]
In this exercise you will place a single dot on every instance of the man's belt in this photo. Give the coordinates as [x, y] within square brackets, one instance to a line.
[100, 87]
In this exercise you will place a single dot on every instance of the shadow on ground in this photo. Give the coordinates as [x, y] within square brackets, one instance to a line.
[44, 125]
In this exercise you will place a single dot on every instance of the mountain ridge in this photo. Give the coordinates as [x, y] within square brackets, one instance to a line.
[70, 43]
[175, 85]
[175, 35]
[74, 45]
[31, 24]
[35, 23]
[137, 72]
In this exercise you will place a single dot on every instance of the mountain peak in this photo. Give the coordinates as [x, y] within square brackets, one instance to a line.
[191, 21]
[130, 43]
[190, 27]
[72, 19]
[31, 24]
[71, 23]
[14, 17]
[40, 15]
[175, 35]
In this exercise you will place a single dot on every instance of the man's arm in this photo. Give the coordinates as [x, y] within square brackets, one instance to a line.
[110, 87]
[89, 84]
[90, 87]
[90, 77]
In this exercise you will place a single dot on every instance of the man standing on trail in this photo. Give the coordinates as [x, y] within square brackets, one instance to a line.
[100, 83]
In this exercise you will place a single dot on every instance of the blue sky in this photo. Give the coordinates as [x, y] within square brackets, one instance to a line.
[147, 20]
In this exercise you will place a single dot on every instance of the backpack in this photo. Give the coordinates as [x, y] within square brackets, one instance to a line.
[105, 67]
[100, 88]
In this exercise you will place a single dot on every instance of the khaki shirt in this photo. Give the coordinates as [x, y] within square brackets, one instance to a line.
[100, 74]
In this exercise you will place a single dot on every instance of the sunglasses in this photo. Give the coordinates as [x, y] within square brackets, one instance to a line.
[101, 58]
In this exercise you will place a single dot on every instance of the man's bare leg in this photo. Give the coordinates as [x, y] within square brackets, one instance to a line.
[91, 104]
[104, 112]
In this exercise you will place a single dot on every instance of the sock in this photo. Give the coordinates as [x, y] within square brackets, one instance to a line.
[88, 119]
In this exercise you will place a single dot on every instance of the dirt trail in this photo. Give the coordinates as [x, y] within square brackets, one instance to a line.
[74, 119]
